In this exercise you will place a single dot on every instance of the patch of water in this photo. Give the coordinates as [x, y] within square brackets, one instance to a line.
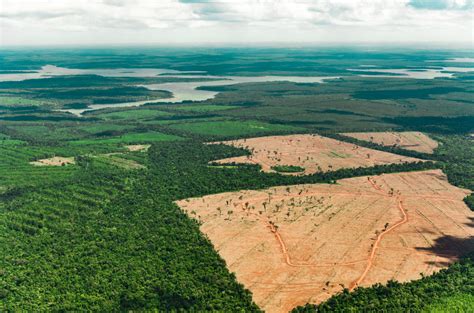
[427, 73]
[49, 71]
[187, 91]
[461, 60]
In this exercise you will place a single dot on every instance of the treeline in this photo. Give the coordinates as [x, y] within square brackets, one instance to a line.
[391, 149]
[455, 156]
[109, 240]
[435, 124]
[113, 240]
[415, 296]
[456, 153]
[185, 169]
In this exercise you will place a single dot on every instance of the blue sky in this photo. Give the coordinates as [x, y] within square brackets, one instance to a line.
[441, 4]
[43, 22]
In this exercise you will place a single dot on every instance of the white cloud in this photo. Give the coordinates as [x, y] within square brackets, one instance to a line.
[173, 21]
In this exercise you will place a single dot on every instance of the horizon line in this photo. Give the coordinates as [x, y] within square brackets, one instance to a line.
[402, 44]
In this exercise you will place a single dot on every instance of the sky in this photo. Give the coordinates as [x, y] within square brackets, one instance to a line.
[198, 22]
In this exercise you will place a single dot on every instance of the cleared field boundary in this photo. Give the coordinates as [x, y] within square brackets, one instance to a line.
[298, 244]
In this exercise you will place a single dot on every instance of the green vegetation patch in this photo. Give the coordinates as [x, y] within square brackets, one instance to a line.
[100, 128]
[117, 160]
[16, 171]
[6, 140]
[433, 293]
[422, 93]
[204, 108]
[31, 130]
[232, 128]
[134, 114]
[11, 142]
[18, 101]
[458, 303]
[129, 139]
[288, 168]
[44, 132]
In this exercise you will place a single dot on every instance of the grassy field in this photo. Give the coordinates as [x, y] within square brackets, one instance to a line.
[136, 114]
[204, 108]
[233, 128]
[18, 101]
[6, 140]
[129, 138]
[103, 127]
[16, 171]
[457, 303]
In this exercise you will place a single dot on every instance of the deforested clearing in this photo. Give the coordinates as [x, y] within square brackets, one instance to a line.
[291, 245]
[137, 147]
[415, 141]
[54, 161]
[314, 153]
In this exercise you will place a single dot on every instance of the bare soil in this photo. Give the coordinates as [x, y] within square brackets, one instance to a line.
[292, 245]
[415, 141]
[312, 152]
[137, 147]
[54, 161]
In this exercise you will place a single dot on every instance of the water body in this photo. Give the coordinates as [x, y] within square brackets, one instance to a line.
[187, 91]
[461, 60]
[49, 71]
[427, 73]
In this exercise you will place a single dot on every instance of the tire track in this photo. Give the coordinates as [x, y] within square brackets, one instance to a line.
[371, 258]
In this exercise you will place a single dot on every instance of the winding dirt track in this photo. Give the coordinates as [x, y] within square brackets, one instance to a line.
[286, 255]
[371, 257]
[296, 244]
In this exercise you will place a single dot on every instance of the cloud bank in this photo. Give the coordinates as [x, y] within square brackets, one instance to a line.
[24, 22]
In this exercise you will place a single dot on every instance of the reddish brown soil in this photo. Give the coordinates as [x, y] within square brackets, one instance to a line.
[415, 141]
[312, 152]
[298, 244]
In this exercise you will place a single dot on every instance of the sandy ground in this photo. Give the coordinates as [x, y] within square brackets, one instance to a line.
[55, 161]
[312, 152]
[415, 141]
[298, 244]
[137, 147]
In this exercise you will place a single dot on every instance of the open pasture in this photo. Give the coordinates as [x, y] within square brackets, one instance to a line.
[118, 160]
[16, 170]
[204, 108]
[232, 128]
[129, 138]
[134, 114]
[314, 153]
[10, 101]
[303, 243]
[410, 140]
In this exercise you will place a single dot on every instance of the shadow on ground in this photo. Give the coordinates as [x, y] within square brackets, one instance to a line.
[449, 247]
